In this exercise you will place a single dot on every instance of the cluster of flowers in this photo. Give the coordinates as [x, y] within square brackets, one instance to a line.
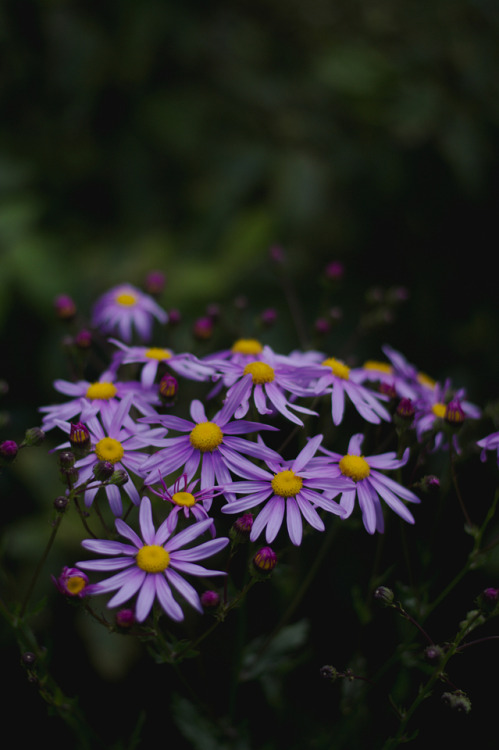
[127, 435]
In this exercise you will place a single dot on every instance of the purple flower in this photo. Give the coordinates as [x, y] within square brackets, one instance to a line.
[433, 408]
[343, 383]
[71, 582]
[119, 441]
[292, 488]
[186, 365]
[125, 306]
[186, 501]
[489, 443]
[212, 443]
[89, 399]
[266, 379]
[151, 566]
[356, 477]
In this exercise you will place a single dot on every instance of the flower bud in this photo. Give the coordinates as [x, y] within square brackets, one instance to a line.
[71, 582]
[28, 658]
[268, 317]
[329, 673]
[79, 438]
[384, 595]
[119, 478]
[264, 561]
[454, 413]
[8, 451]
[322, 326]
[488, 600]
[210, 599]
[83, 339]
[334, 270]
[168, 389]
[125, 618]
[103, 470]
[405, 409]
[61, 503]
[241, 528]
[203, 329]
[433, 654]
[155, 283]
[174, 317]
[66, 459]
[33, 437]
[64, 307]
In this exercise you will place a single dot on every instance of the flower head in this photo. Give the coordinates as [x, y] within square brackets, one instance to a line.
[357, 477]
[71, 582]
[124, 307]
[291, 488]
[151, 565]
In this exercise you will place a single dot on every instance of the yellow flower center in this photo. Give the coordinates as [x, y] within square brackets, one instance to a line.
[371, 364]
[157, 353]
[260, 372]
[439, 410]
[184, 498]
[75, 584]
[109, 449]
[247, 346]
[126, 299]
[152, 558]
[101, 391]
[355, 467]
[286, 483]
[338, 368]
[206, 436]
[424, 379]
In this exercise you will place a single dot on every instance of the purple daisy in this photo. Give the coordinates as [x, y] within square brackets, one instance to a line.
[292, 488]
[125, 306]
[357, 476]
[119, 441]
[151, 566]
[432, 410]
[212, 442]
[186, 501]
[89, 399]
[489, 443]
[266, 380]
[340, 380]
[186, 365]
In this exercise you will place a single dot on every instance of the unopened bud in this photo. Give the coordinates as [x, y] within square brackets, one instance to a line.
[203, 329]
[83, 339]
[329, 673]
[79, 438]
[61, 503]
[33, 437]
[125, 618]
[64, 307]
[454, 413]
[155, 282]
[210, 599]
[241, 528]
[433, 654]
[168, 389]
[66, 459]
[265, 561]
[384, 595]
[119, 478]
[8, 451]
[103, 470]
[405, 408]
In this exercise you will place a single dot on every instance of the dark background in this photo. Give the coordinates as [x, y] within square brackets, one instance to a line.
[191, 137]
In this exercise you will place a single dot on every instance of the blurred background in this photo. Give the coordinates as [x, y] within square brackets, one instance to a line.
[192, 137]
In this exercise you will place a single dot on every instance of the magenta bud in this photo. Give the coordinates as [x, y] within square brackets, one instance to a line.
[454, 413]
[406, 408]
[155, 282]
[203, 329]
[83, 339]
[268, 317]
[210, 599]
[265, 560]
[168, 389]
[125, 618]
[335, 270]
[8, 450]
[64, 307]
[174, 317]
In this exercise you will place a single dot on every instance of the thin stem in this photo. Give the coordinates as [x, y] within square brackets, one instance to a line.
[41, 562]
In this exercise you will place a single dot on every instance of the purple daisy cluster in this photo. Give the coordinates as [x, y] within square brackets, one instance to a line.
[180, 467]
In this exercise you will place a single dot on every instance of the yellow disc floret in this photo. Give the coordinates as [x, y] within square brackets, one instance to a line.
[384, 367]
[355, 467]
[157, 353]
[206, 436]
[286, 483]
[439, 410]
[247, 346]
[185, 499]
[152, 558]
[75, 584]
[424, 379]
[338, 368]
[126, 299]
[109, 449]
[101, 391]
[260, 372]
